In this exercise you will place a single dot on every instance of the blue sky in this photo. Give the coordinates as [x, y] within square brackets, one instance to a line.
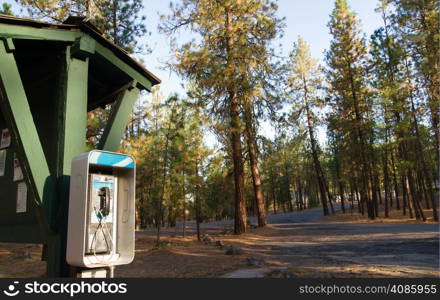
[307, 18]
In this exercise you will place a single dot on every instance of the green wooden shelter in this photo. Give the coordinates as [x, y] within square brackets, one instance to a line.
[51, 76]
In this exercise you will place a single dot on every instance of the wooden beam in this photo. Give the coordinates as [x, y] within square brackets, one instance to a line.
[83, 47]
[108, 55]
[71, 141]
[17, 113]
[74, 107]
[32, 33]
[110, 97]
[117, 123]
[86, 43]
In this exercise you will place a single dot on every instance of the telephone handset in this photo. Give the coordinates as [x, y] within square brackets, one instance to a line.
[104, 203]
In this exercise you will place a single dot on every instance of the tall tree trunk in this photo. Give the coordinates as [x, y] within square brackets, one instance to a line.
[115, 23]
[237, 157]
[351, 197]
[386, 181]
[301, 197]
[396, 185]
[184, 202]
[405, 197]
[415, 197]
[197, 200]
[363, 147]
[340, 185]
[240, 222]
[421, 157]
[327, 190]
[274, 198]
[358, 197]
[317, 165]
[253, 164]
[421, 184]
[162, 193]
[287, 182]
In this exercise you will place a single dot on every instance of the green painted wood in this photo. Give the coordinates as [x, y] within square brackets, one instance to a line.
[75, 123]
[117, 62]
[19, 114]
[83, 47]
[26, 32]
[111, 138]
[71, 125]
[9, 43]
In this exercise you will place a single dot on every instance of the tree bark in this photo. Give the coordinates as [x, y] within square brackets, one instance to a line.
[340, 185]
[197, 201]
[317, 165]
[396, 185]
[240, 222]
[253, 164]
[386, 182]
[237, 157]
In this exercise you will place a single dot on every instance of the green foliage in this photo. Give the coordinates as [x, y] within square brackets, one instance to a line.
[232, 51]
[6, 9]
[119, 20]
[171, 158]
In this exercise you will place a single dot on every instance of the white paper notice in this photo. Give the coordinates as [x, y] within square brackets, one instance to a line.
[5, 139]
[18, 174]
[2, 162]
[21, 197]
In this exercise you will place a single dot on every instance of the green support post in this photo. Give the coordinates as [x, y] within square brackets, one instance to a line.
[75, 110]
[71, 128]
[118, 120]
[18, 115]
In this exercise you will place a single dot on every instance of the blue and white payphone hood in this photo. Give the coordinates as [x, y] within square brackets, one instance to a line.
[111, 159]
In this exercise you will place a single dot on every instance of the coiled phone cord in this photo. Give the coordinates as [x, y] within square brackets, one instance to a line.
[102, 227]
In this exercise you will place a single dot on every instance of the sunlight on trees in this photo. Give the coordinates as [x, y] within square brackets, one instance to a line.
[377, 99]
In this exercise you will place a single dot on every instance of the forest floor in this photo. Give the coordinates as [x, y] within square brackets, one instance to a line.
[299, 244]
[352, 215]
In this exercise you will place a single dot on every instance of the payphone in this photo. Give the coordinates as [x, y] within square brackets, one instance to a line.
[100, 232]
[101, 210]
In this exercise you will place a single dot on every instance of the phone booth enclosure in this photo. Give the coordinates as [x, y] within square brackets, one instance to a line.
[101, 210]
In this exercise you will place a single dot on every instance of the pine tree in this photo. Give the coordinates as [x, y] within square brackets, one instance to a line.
[6, 9]
[417, 26]
[394, 84]
[349, 94]
[119, 20]
[225, 63]
[250, 133]
[306, 80]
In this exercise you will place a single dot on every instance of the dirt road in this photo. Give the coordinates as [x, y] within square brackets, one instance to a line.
[308, 246]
